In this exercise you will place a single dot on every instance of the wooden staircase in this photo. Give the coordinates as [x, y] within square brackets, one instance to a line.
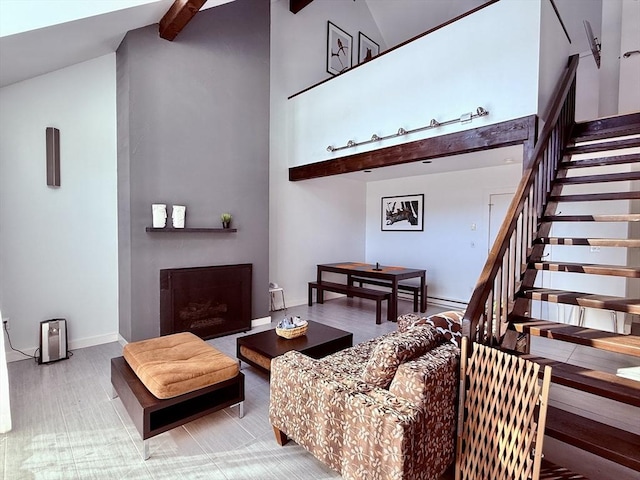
[613, 146]
[569, 243]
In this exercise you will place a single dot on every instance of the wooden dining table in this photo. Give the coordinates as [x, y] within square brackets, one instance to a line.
[392, 274]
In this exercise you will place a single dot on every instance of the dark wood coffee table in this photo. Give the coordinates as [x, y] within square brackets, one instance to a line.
[258, 349]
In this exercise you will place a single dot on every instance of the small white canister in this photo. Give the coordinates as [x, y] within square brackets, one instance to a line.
[177, 214]
[159, 211]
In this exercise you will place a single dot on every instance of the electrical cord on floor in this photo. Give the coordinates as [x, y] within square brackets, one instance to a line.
[15, 349]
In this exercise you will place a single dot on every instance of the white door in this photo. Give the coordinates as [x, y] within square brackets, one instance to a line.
[498, 206]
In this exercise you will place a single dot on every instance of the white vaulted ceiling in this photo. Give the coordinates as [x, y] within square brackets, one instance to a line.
[40, 36]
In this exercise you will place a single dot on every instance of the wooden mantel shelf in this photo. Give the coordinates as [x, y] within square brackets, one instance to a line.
[192, 230]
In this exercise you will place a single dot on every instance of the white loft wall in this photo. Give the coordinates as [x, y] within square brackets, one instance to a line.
[449, 249]
[58, 246]
[315, 221]
[442, 75]
[554, 54]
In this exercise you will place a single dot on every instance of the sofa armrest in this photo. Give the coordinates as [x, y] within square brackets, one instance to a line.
[308, 405]
[410, 429]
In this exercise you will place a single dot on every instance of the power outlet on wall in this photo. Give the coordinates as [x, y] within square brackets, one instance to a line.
[5, 322]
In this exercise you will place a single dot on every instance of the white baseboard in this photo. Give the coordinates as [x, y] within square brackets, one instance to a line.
[74, 344]
[15, 356]
[256, 322]
[445, 302]
[91, 341]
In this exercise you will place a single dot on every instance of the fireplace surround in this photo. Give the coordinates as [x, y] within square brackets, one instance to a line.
[207, 301]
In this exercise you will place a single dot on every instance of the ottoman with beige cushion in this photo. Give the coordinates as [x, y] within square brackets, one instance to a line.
[168, 381]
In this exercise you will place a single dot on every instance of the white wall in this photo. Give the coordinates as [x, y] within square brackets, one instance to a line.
[629, 92]
[315, 221]
[449, 249]
[554, 53]
[58, 246]
[609, 73]
[443, 75]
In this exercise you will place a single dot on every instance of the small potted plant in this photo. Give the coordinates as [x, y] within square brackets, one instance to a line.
[226, 220]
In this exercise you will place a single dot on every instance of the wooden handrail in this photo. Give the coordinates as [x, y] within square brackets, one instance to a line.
[490, 301]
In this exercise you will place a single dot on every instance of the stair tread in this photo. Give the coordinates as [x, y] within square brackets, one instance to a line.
[628, 217]
[597, 242]
[550, 471]
[612, 342]
[601, 161]
[590, 197]
[599, 383]
[603, 440]
[609, 127]
[605, 302]
[603, 146]
[602, 178]
[588, 268]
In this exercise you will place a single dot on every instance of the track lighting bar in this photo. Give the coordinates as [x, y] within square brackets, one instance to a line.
[467, 117]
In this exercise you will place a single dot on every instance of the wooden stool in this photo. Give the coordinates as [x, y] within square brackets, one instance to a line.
[168, 381]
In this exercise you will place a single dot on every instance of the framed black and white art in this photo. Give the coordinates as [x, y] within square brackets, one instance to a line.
[403, 213]
[339, 44]
[367, 48]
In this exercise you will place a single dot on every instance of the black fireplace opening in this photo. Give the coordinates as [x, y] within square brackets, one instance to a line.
[208, 301]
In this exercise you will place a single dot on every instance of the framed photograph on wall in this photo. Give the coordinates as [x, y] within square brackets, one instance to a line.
[339, 44]
[403, 213]
[367, 48]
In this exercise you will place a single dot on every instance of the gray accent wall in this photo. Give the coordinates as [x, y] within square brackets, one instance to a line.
[193, 129]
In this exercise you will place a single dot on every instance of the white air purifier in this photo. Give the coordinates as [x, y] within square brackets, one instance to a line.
[53, 340]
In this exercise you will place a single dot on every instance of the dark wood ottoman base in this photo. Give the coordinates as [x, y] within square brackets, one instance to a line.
[152, 416]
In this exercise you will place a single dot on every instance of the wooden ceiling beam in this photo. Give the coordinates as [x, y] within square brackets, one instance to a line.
[296, 5]
[503, 134]
[177, 17]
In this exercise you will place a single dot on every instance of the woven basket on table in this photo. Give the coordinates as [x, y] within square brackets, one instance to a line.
[292, 332]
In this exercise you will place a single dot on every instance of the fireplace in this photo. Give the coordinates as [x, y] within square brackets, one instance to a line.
[206, 301]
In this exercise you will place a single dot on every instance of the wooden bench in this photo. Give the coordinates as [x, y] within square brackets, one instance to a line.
[352, 291]
[414, 289]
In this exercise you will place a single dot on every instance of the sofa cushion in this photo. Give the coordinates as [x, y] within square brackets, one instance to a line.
[449, 324]
[176, 364]
[395, 349]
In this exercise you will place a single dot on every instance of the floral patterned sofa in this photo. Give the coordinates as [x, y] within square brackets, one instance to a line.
[382, 409]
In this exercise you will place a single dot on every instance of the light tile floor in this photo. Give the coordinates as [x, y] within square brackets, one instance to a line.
[66, 426]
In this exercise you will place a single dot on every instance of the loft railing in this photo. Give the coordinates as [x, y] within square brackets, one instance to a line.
[485, 319]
